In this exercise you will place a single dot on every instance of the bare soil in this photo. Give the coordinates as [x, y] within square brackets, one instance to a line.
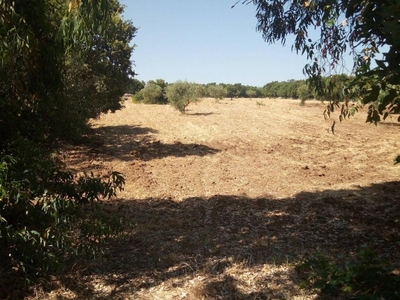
[225, 200]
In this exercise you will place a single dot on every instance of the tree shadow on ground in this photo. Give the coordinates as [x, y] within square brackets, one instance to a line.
[200, 114]
[128, 143]
[172, 243]
[390, 123]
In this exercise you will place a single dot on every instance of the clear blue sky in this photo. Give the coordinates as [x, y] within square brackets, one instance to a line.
[206, 41]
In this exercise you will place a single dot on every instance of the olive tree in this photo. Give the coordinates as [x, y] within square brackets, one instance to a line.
[182, 93]
[217, 91]
[151, 93]
[304, 93]
[250, 93]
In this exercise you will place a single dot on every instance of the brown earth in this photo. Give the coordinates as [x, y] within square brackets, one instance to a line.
[226, 199]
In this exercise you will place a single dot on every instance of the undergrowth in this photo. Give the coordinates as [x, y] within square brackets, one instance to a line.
[48, 216]
[367, 277]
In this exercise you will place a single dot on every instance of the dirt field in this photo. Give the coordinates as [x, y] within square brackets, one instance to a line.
[226, 199]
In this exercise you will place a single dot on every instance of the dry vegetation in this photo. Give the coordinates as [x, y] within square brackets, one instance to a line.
[225, 200]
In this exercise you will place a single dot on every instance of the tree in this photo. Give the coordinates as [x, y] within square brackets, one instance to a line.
[303, 92]
[98, 72]
[135, 86]
[182, 93]
[293, 86]
[240, 90]
[152, 93]
[42, 221]
[201, 90]
[363, 28]
[66, 62]
[251, 93]
[162, 83]
[271, 89]
[217, 91]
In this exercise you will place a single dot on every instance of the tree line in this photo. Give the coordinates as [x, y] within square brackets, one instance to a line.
[155, 91]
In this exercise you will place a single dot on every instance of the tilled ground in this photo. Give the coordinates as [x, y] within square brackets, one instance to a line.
[225, 200]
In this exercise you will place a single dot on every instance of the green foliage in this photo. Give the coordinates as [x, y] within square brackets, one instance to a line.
[152, 93]
[57, 77]
[260, 103]
[161, 83]
[303, 92]
[236, 90]
[135, 86]
[346, 109]
[62, 62]
[138, 97]
[181, 93]
[362, 28]
[217, 91]
[96, 77]
[251, 93]
[284, 89]
[336, 89]
[48, 215]
[270, 90]
[368, 277]
[201, 90]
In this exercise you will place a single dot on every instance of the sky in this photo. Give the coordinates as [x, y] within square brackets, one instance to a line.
[206, 41]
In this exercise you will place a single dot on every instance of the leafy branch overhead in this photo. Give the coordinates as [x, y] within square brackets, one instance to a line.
[326, 31]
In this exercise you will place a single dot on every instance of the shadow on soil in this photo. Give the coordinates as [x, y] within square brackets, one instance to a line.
[128, 143]
[172, 242]
[390, 123]
[200, 114]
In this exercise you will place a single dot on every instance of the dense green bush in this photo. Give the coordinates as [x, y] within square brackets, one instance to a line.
[152, 93]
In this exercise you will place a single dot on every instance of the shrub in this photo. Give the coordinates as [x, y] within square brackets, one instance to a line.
[152, 93]
[47, 215]
[138, 97]
[260, 103]
[181, 94]
[368, 277]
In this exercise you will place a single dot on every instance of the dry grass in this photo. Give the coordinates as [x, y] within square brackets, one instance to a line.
[225, 201]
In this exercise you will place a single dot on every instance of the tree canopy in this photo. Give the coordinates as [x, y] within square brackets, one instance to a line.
[217, 91]
[62, 62]
[181, 93]
[326, 30]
